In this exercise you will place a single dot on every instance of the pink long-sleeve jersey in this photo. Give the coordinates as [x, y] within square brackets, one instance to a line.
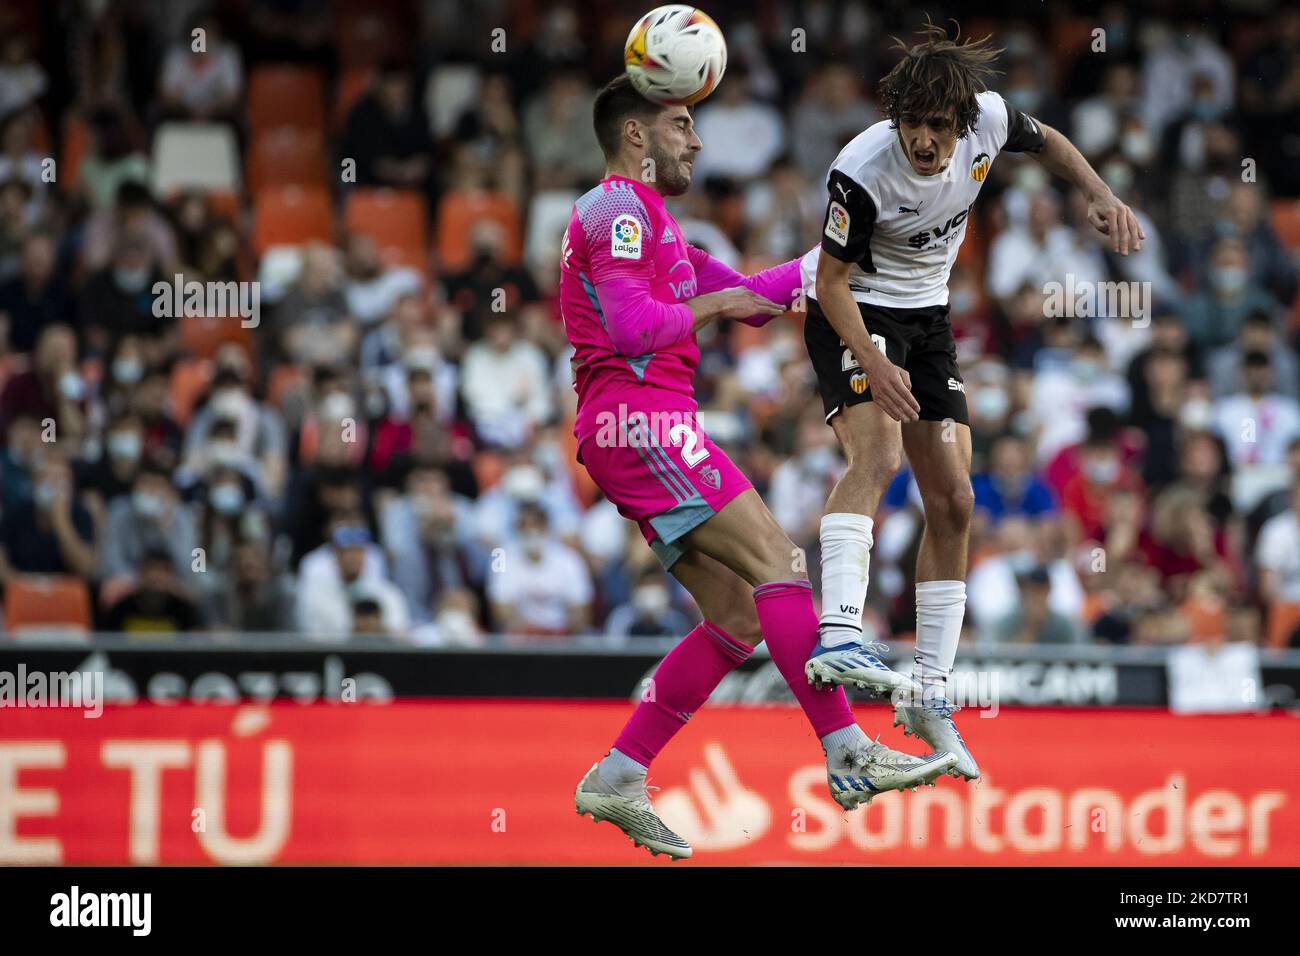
[625, 273]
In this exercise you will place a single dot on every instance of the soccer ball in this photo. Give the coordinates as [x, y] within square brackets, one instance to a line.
[675, 54]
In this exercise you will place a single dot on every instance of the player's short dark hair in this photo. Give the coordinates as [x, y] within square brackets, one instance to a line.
[938, 75]
[615, 103]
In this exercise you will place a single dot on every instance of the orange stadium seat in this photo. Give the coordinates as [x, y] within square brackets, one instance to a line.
[291, 216]
[190, 379]
[286, 95]
[1286, 222]
[76, 140]
[395, 218]
[1283, 621]
[46, 602]
[286, 156]
[202, 335]
[457, 214]
[348, 91]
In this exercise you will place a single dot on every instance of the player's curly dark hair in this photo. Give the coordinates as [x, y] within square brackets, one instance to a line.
[937, 75]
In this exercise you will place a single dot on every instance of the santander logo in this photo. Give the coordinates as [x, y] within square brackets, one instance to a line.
[716, 811]
[1169, 822]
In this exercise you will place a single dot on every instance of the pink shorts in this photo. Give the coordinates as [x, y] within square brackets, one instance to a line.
[664, 472]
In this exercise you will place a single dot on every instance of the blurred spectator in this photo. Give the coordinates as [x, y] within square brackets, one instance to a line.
[1215, 316]
[1278, 553]
[133, 217]
[387, 135]
[1033, 621]
[1181, 540]
[370, 287]
[831, 112]
[1041, 251]
[1010, 487]
[256, 597]
[1259, 333]
[1096, 121]
[111, 159]
[51, 390]
[202, 75]
[338, 576]
[538, 586]
[424, 533]
[119, 300]
[732, 115]
[150, 518]
[14, 219]
[1136, 591]
[252, 440]
[156, 603]
[19, 158]
[503, 380]
[54, 534]
[37, 296]
[1066, 386]
[649, 613]
[557, 124]
[1257, 424]
[312, 323]
[22, 80]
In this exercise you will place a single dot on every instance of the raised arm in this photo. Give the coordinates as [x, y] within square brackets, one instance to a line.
[780, 284]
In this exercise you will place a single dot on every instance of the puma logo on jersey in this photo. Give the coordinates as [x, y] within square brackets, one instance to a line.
[843, 192]
[917, 210]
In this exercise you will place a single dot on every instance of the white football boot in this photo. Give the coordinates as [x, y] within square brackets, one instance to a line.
[856, 774]
[932, 721]
[856, 665]
[631, 813]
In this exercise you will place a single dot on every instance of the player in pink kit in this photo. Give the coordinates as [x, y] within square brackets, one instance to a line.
[633, 295]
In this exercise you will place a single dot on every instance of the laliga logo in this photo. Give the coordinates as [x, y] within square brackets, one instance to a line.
[718, 812]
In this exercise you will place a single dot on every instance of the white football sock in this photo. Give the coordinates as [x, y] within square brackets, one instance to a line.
[846, 565]
[622, 772]
[940, 607]
[850, 737]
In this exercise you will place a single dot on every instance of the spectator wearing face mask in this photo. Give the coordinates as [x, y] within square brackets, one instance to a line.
[157, 604]
[53, 535]
[1259, 333]
[257, 443]
[51, 390]
[115, 472]
[150, 518]
[227, 515]
[1215, 316]
[540, 587]
[1102, 473]
[118, 300]
[649, 613]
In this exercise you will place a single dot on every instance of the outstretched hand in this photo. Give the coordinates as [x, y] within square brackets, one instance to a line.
[1113, 218]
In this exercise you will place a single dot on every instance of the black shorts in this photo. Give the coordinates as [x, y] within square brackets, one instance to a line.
[918, 340]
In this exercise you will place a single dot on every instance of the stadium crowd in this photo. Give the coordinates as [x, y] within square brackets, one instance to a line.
[384, 448]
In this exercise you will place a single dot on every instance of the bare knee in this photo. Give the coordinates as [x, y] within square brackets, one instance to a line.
[741, 622]
[948, 510]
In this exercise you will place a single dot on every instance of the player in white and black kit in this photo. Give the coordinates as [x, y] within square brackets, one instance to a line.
[881, 343]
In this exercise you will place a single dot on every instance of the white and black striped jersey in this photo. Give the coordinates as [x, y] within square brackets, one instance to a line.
[902, 230]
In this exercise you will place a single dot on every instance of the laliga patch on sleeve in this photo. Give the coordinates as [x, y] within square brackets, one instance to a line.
[625, 237]
[837, 223]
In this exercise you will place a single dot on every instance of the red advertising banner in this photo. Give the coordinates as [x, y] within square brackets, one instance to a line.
[492, 782]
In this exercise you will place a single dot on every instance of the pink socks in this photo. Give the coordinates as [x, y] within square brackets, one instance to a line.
[789, 623]
[680, 686]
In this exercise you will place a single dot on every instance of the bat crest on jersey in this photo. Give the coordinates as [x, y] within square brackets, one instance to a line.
[980, 167]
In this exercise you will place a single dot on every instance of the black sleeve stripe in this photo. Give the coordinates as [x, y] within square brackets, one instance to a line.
[1024, 135]
[849, 222]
